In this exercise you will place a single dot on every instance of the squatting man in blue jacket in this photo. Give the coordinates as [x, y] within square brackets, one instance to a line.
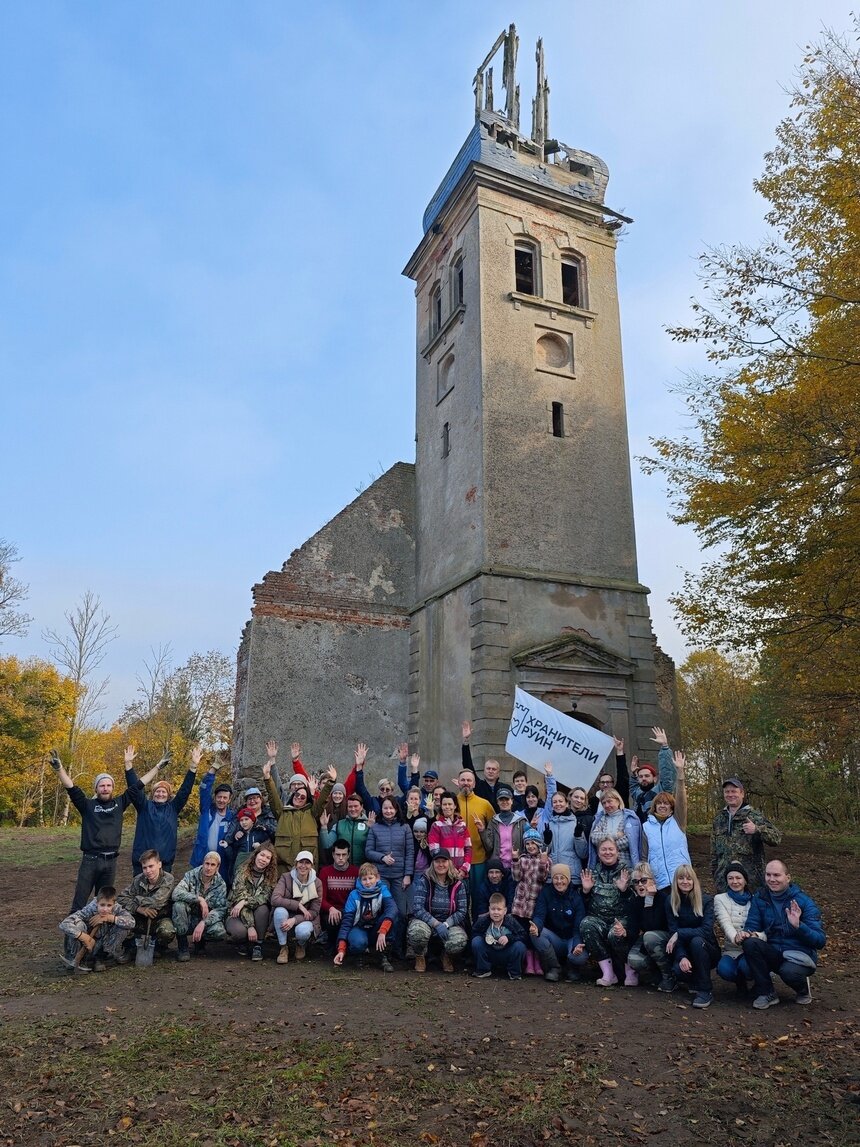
[783, 933]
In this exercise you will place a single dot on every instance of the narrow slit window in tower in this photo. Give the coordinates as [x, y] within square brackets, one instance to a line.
[558, 420]
[446, 440]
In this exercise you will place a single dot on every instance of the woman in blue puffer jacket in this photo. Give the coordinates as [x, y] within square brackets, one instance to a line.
[391, 846]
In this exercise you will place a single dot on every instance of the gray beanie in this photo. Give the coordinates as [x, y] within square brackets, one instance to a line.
[102, 777]
[420, 824]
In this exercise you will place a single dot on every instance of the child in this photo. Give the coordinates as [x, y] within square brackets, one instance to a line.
[496, 879]
[244, 838]
[530, 869]
[370, 914]
[498, 941]
[101, 926]
[423, 855]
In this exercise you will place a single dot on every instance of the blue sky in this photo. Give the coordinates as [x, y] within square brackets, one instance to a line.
[206, 343]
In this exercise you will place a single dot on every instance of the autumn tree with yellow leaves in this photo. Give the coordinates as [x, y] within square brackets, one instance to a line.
[769, 478]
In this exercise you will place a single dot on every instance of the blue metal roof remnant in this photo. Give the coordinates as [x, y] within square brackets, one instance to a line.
[481, 147]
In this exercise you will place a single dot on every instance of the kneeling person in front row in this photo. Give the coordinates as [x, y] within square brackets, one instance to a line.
[369, 915]
[147, 899]
[791, 923]
[498, 941]
[199, 907]
[101, 927]
[439, 907]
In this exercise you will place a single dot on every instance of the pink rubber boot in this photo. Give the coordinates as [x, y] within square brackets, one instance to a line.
[608, 978]
[631, 977]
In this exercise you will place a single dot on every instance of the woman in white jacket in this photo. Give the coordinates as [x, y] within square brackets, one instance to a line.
[731, 909]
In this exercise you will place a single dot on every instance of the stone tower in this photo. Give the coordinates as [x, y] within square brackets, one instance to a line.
[526, 567]
[507, 555]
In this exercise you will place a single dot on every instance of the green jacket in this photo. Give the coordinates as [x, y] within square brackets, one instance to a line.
[297, 827]
[254, 889]
[141, 894]
[190, 889]
[731, 845]
[354, 832]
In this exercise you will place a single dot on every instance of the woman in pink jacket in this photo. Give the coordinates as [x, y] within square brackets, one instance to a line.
[450, 831]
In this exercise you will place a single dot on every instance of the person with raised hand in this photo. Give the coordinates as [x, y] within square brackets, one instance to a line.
[157, 826]
[297, 829]
[607, 930]
[101, 830]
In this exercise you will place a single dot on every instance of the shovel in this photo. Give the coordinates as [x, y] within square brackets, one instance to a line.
[145, 949]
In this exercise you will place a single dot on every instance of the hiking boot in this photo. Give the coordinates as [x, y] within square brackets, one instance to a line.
[182, 953]
[283, 955]
[124, 957]
[804, 996]
[703, 999]
[387, 966]
[668, 983]
[300, 951]
[552, 976]
[257, 952]
[420, 963]
[99, 966]
[481, 975]
[447, 963]
[768, 1001]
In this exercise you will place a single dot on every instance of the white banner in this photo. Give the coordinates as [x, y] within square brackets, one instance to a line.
[539, 733]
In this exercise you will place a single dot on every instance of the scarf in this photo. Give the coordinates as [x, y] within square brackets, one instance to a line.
[739, 897]
[304, 892]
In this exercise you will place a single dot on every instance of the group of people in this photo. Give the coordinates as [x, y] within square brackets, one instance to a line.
[556, 883]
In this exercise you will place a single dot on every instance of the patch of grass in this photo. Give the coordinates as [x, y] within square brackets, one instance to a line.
[34, 847]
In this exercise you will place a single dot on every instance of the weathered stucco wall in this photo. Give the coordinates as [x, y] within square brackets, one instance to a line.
[325, 658]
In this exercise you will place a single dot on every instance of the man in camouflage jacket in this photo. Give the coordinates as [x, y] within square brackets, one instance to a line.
[199, 906]
[147, 898]
[738, 836]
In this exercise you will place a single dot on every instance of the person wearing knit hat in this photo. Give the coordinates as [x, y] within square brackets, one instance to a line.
[101, 830]
[217, 819]
[244, 837]
[158, 818]
[497, 878]
[555, 922]
[731, 909]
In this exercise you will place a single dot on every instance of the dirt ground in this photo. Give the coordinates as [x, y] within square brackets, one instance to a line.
[223, 1052]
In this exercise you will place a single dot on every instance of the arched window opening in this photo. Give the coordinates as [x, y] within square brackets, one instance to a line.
[526, 268]
[436, 309]
[572, 281]
[457, 283]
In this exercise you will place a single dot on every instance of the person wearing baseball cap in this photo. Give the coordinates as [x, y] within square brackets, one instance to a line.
[439, 913]
[739, 834]
[646, 780]
[217, 819]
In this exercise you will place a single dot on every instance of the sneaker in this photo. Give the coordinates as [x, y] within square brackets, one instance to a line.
[768, 1001]
[387, 966]
[667, 984]
[552, 976]
[99, 966]
[511, 976]
[420, 963]
[67, 963]
[447, 963]
[804, 996]
[257, 952]
[284, 955]
[703, 999]
[82, 969]
[481, 975]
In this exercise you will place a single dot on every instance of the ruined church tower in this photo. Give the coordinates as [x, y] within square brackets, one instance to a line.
[525, 548]
[506, 556]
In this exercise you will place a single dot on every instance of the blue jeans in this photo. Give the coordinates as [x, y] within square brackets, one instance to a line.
[548, 942]
[358, 940]
[507, 959]
[734, 968]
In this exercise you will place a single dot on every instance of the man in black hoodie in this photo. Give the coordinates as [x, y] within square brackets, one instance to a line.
[101, 827]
